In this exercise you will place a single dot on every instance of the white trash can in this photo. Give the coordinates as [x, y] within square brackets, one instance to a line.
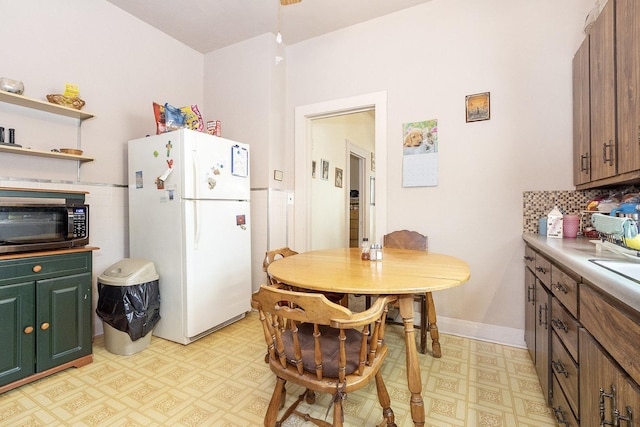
[129, 305]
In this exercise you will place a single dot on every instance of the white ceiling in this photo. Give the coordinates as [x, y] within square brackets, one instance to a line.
[207, 25]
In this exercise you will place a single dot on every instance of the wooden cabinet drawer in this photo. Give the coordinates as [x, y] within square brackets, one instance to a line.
[615, 328]
[566, 327]
[561, 410]
[24, 269]
[565, 288]
[530, 258]
[543, 270]
[565, 371]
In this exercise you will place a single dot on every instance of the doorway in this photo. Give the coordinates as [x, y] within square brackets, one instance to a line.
[335, 213]
[304, 115]
[358, 208]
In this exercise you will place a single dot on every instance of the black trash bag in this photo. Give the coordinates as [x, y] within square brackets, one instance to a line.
[132, 309]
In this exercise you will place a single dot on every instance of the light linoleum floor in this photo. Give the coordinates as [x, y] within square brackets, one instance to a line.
[222, 380]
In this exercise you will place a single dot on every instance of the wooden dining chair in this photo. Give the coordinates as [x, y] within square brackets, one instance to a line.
[276, 254]
[328, 349]
[273, 255]
[405, 239]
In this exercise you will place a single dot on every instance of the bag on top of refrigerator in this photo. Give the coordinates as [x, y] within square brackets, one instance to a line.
[170, 118]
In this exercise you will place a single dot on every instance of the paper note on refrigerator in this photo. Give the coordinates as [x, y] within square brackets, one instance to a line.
[239, 161]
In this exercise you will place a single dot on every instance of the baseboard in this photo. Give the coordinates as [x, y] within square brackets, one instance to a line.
[482, 331]
[478, 331]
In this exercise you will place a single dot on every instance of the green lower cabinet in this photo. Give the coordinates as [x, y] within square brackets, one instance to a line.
[63, 319]
[17, 334]
[47, 321]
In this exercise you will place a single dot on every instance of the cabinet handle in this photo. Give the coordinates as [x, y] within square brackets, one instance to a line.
[560, 287]
[529, 258]
[541, 270]
[603, 395]
[45, 326]
[529, 298]
[604, 152]
[559, 324]
[37, 268]
[28, 330]
[617, 417]
[584, 163]
[559, 368]
[540, 322]
[559, 414]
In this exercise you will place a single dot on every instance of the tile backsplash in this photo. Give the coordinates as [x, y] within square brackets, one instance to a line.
[536, 204]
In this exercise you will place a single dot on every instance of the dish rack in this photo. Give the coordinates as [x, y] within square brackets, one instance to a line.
[616, 245]
[612, 231]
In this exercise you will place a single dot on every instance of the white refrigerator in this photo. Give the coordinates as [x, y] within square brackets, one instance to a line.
[189, 214]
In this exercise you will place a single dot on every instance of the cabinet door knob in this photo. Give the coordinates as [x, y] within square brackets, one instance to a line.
[44, 326]
[560, 287]
[28, 330]
[37, 268]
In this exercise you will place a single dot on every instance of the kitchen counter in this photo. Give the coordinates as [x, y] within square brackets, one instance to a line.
[574, 254]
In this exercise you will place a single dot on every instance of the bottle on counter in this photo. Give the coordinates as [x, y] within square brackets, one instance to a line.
[365, 249]
[554, 223]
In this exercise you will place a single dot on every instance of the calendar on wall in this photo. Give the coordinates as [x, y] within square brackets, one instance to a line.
[420, 154]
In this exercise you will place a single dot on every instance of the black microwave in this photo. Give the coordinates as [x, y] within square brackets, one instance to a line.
[35, 227]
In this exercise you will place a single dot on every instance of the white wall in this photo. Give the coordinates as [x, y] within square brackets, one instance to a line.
[121, 66]
[428, 58]
[244, 87]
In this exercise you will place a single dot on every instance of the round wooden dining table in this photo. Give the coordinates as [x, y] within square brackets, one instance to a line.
[400, 272]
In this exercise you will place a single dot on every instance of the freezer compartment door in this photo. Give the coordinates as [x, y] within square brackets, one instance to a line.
[218, 263]
[215, 168]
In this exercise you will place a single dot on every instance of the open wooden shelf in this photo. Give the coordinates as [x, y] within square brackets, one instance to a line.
[23, 101]
[41, 153]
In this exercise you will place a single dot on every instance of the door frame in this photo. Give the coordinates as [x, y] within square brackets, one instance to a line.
[363, 185]
[302, 143]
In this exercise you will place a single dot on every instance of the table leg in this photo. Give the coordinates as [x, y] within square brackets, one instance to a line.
[413, 367]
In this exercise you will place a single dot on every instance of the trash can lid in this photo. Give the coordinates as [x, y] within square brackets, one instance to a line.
[129, 272]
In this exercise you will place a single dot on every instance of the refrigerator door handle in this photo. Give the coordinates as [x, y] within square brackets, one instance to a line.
[196, 210]
[196, 224]
[196, 174]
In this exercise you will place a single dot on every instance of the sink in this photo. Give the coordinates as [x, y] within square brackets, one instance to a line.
[630, 270]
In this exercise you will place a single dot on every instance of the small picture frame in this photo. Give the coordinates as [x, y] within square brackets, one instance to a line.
[325, 169]
[478, 107]
[339, 177]
[313, 169]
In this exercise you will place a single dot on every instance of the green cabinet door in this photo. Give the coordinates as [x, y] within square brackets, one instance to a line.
[63, 319]
[17, 334]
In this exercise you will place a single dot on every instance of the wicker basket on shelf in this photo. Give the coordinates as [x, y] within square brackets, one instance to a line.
[66, 101]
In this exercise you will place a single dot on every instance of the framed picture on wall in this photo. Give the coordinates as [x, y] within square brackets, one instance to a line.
[313, 169]
[478, 107]
[338, 177]
[325, 169]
